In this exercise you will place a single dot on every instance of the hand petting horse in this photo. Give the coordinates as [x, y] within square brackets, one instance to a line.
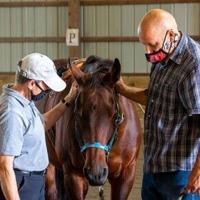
[98, 137]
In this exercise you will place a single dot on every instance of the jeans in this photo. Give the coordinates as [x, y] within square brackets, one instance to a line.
[166, 186]
[30, 187]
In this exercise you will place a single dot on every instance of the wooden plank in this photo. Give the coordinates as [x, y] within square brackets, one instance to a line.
[83, 39]
[90, 3]
[34, 4]
[110, 39]
[74, 20]
[128, 2]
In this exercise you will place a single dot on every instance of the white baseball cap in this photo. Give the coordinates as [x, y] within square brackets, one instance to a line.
[39, 67]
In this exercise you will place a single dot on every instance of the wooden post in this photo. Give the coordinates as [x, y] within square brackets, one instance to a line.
[74, 20]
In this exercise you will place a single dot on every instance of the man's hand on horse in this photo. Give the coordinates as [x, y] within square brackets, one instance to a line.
[77, 63]
[120, 85]
[194, 179]
[72, 92]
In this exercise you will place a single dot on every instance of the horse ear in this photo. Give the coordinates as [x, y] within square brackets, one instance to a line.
[116, 70]
[78, 75]
[113, 76]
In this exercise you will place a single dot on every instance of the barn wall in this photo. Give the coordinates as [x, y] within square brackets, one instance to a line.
[106, 20]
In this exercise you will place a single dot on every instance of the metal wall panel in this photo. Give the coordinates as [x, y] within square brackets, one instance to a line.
[127, 29]
[16, 30]
[119, 20]
[140, 64]
[89, 29]
[193, 16]
[62, 26]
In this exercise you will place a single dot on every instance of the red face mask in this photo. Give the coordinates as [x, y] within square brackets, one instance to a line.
[157, 56]
[160, 55]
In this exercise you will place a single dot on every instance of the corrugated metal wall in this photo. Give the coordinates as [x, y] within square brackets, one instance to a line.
[96, 21]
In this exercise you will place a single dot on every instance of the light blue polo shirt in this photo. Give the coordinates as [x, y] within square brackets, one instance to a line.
[22, 133]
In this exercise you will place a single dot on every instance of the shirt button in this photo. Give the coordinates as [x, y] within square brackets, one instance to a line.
[152, 101]
[149, 115]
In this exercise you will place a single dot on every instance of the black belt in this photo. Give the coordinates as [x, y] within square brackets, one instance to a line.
[40, 173]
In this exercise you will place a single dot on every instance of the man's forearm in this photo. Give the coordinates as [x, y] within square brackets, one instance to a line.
[53, 115]
[136, 94]
[9, 184]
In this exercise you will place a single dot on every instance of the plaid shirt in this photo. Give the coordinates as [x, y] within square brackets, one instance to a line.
[172, 123]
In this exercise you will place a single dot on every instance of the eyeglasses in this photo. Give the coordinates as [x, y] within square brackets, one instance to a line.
[46, 91]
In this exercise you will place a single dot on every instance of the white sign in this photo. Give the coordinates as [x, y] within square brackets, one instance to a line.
[72, 37]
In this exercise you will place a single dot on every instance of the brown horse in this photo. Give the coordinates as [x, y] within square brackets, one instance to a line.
[98, 137]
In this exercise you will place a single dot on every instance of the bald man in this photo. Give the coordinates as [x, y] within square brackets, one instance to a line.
[172, 120]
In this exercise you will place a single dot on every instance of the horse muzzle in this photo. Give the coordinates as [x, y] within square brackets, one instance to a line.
[96, 177]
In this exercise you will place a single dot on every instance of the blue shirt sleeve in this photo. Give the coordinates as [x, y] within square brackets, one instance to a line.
[189, 92]
[12, 130]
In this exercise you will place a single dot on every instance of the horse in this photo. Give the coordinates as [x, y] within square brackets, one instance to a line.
[98, 137]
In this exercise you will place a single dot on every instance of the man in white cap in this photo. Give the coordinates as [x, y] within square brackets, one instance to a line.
[23, 152]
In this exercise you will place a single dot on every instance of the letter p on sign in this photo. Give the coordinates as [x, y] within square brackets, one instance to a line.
[72, 37]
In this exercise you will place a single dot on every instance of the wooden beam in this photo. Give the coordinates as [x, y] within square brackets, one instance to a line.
[74, 21]
[131, 2]
[82, 39]
[32, 39]
[34, 4]
[89, 3]
[110, 39]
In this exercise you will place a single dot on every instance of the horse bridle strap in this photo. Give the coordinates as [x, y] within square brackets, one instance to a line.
[94, 145]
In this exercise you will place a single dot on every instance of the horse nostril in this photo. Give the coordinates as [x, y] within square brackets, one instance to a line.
[86, 170]
[105, 170]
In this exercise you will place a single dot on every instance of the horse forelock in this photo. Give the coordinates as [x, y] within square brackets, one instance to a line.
[97, 70]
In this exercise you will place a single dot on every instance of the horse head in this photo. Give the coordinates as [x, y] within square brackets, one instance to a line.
[96, 115]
